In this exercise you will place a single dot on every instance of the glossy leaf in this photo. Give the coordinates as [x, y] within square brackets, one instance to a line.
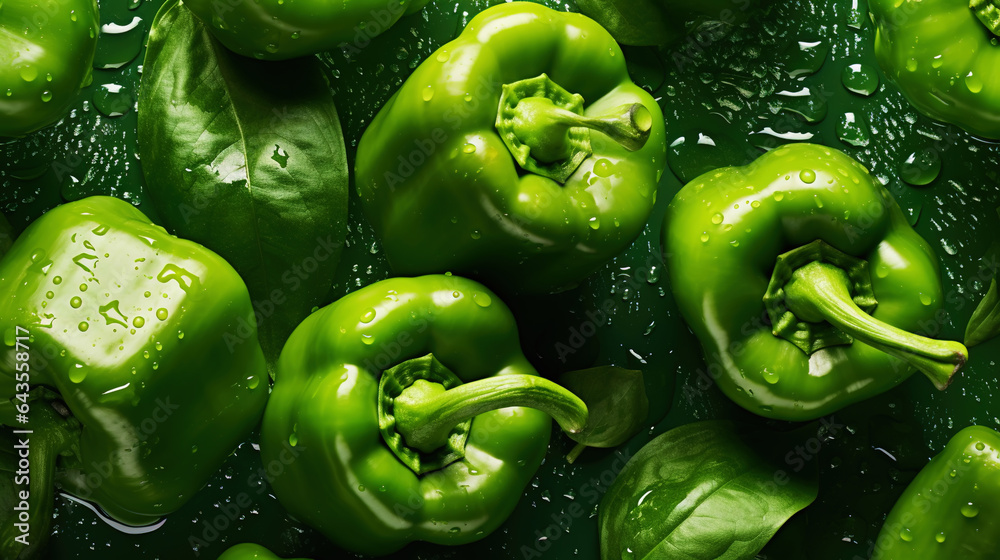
[247, 158]
[663, 22]
[617, 403]
[985, 321]
[705, 491]
[631, 22]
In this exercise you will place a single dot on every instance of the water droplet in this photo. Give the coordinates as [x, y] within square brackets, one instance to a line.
[368, 316]
[138, 322]
[811, 106]
[778, 196]
[57, 280]
[77, 374]
[717, 218]
[367, 339]
[253, 381]
[771, 376]
[702, 150]
[906, 534]
[456, 294]
[194, 449]
[293, 440]
[980, 446]
[161, 313]
[83, 326]
[455, 530]
[704, 237]
[46, 96]
[970, 510]
[469, 148]
[911, 65]
[805, 58]
[119, 44]
[428, 93]
[926, 299]
[113, 100]
[939, 537]
[922, 167]
[29, 73]
[594, 223]
[852, 130]
[860, 79]
[604, 168]
[50, 295]
[442, 56]
[482, 299]
[807, 176]
[75, 302]
[974, 83]
[475, 234]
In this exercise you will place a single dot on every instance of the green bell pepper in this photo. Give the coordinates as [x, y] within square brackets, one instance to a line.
[247, 551]
[483, 164]
[665, 22]
[148, 341]
[283, 29]
[422, 453]
[951, 510]
[46, 54]
[803, 281]
[944, 58]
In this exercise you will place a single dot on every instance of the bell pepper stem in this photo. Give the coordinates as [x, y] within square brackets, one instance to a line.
[48, 439]
[988, 13]
[819, 292]
[575, 453]
[425, 414]
[628, 125]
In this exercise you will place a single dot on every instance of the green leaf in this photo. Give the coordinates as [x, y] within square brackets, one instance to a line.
[664, 22]
[985, 321]
[705, 491]
[247, 158]
[631, 22]
[7, 235]
[617, 405]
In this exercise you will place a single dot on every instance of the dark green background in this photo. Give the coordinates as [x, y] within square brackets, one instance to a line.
[729, 90]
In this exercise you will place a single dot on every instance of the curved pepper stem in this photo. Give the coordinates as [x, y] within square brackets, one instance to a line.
[544, 127]
[988, 13]
[51, 437]
[425, 412]
[819, 292]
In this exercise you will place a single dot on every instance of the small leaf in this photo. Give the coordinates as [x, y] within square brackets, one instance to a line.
[7, 235]
[664, 22]
[631, 22]
[617, 403]
[706, 491]
[985, 322]
[247, 158]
